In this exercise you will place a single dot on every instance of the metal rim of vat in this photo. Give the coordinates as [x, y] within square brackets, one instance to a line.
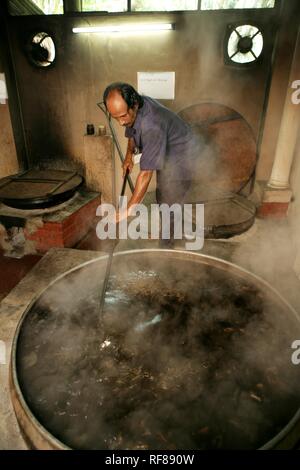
[37, 436]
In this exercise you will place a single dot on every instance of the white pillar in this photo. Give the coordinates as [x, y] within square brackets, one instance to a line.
[288, 132]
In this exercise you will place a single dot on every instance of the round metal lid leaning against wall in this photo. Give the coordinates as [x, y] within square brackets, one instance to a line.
[226, 169]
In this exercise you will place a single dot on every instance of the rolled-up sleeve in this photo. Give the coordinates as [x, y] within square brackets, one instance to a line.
[154, 146]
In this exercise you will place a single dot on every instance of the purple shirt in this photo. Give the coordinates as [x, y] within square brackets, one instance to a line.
[166, 141]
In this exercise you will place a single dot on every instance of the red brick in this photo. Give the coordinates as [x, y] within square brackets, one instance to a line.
[67, 232]
[276, 210]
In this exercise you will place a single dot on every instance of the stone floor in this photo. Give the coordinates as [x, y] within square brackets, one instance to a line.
[265, 250]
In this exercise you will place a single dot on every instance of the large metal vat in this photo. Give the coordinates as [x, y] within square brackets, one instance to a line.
[192, 352]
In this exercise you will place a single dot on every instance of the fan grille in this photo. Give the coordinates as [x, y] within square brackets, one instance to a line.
[245, 44]
[41, 50]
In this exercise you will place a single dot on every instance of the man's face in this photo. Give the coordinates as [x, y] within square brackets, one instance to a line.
[118, 109]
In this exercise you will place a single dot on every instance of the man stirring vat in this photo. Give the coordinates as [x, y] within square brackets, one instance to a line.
[167, 143]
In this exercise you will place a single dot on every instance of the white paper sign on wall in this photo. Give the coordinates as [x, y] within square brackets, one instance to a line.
[159, 85]
[3, 90]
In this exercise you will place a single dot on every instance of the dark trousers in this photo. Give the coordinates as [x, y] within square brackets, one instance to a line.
[171, 192]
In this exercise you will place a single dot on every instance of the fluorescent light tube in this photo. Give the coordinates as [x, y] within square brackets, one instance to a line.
[125, 28]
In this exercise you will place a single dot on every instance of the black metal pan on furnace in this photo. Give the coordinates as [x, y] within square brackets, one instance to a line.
[37, 189]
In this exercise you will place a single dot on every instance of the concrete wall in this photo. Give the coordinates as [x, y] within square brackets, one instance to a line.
[8, 157]
[59, 102]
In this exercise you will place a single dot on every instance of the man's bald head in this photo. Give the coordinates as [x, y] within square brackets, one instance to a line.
[122, 102]
[115, 103]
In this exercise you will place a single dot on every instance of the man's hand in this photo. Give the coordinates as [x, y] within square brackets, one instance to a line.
[127, 164]
[141, 185]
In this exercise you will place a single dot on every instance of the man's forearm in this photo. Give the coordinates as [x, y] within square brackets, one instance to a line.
[141, 186]
[128, 162]
[130, 148]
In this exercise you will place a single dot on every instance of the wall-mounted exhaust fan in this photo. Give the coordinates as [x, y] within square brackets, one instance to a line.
[244, 44]
[41, 49]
